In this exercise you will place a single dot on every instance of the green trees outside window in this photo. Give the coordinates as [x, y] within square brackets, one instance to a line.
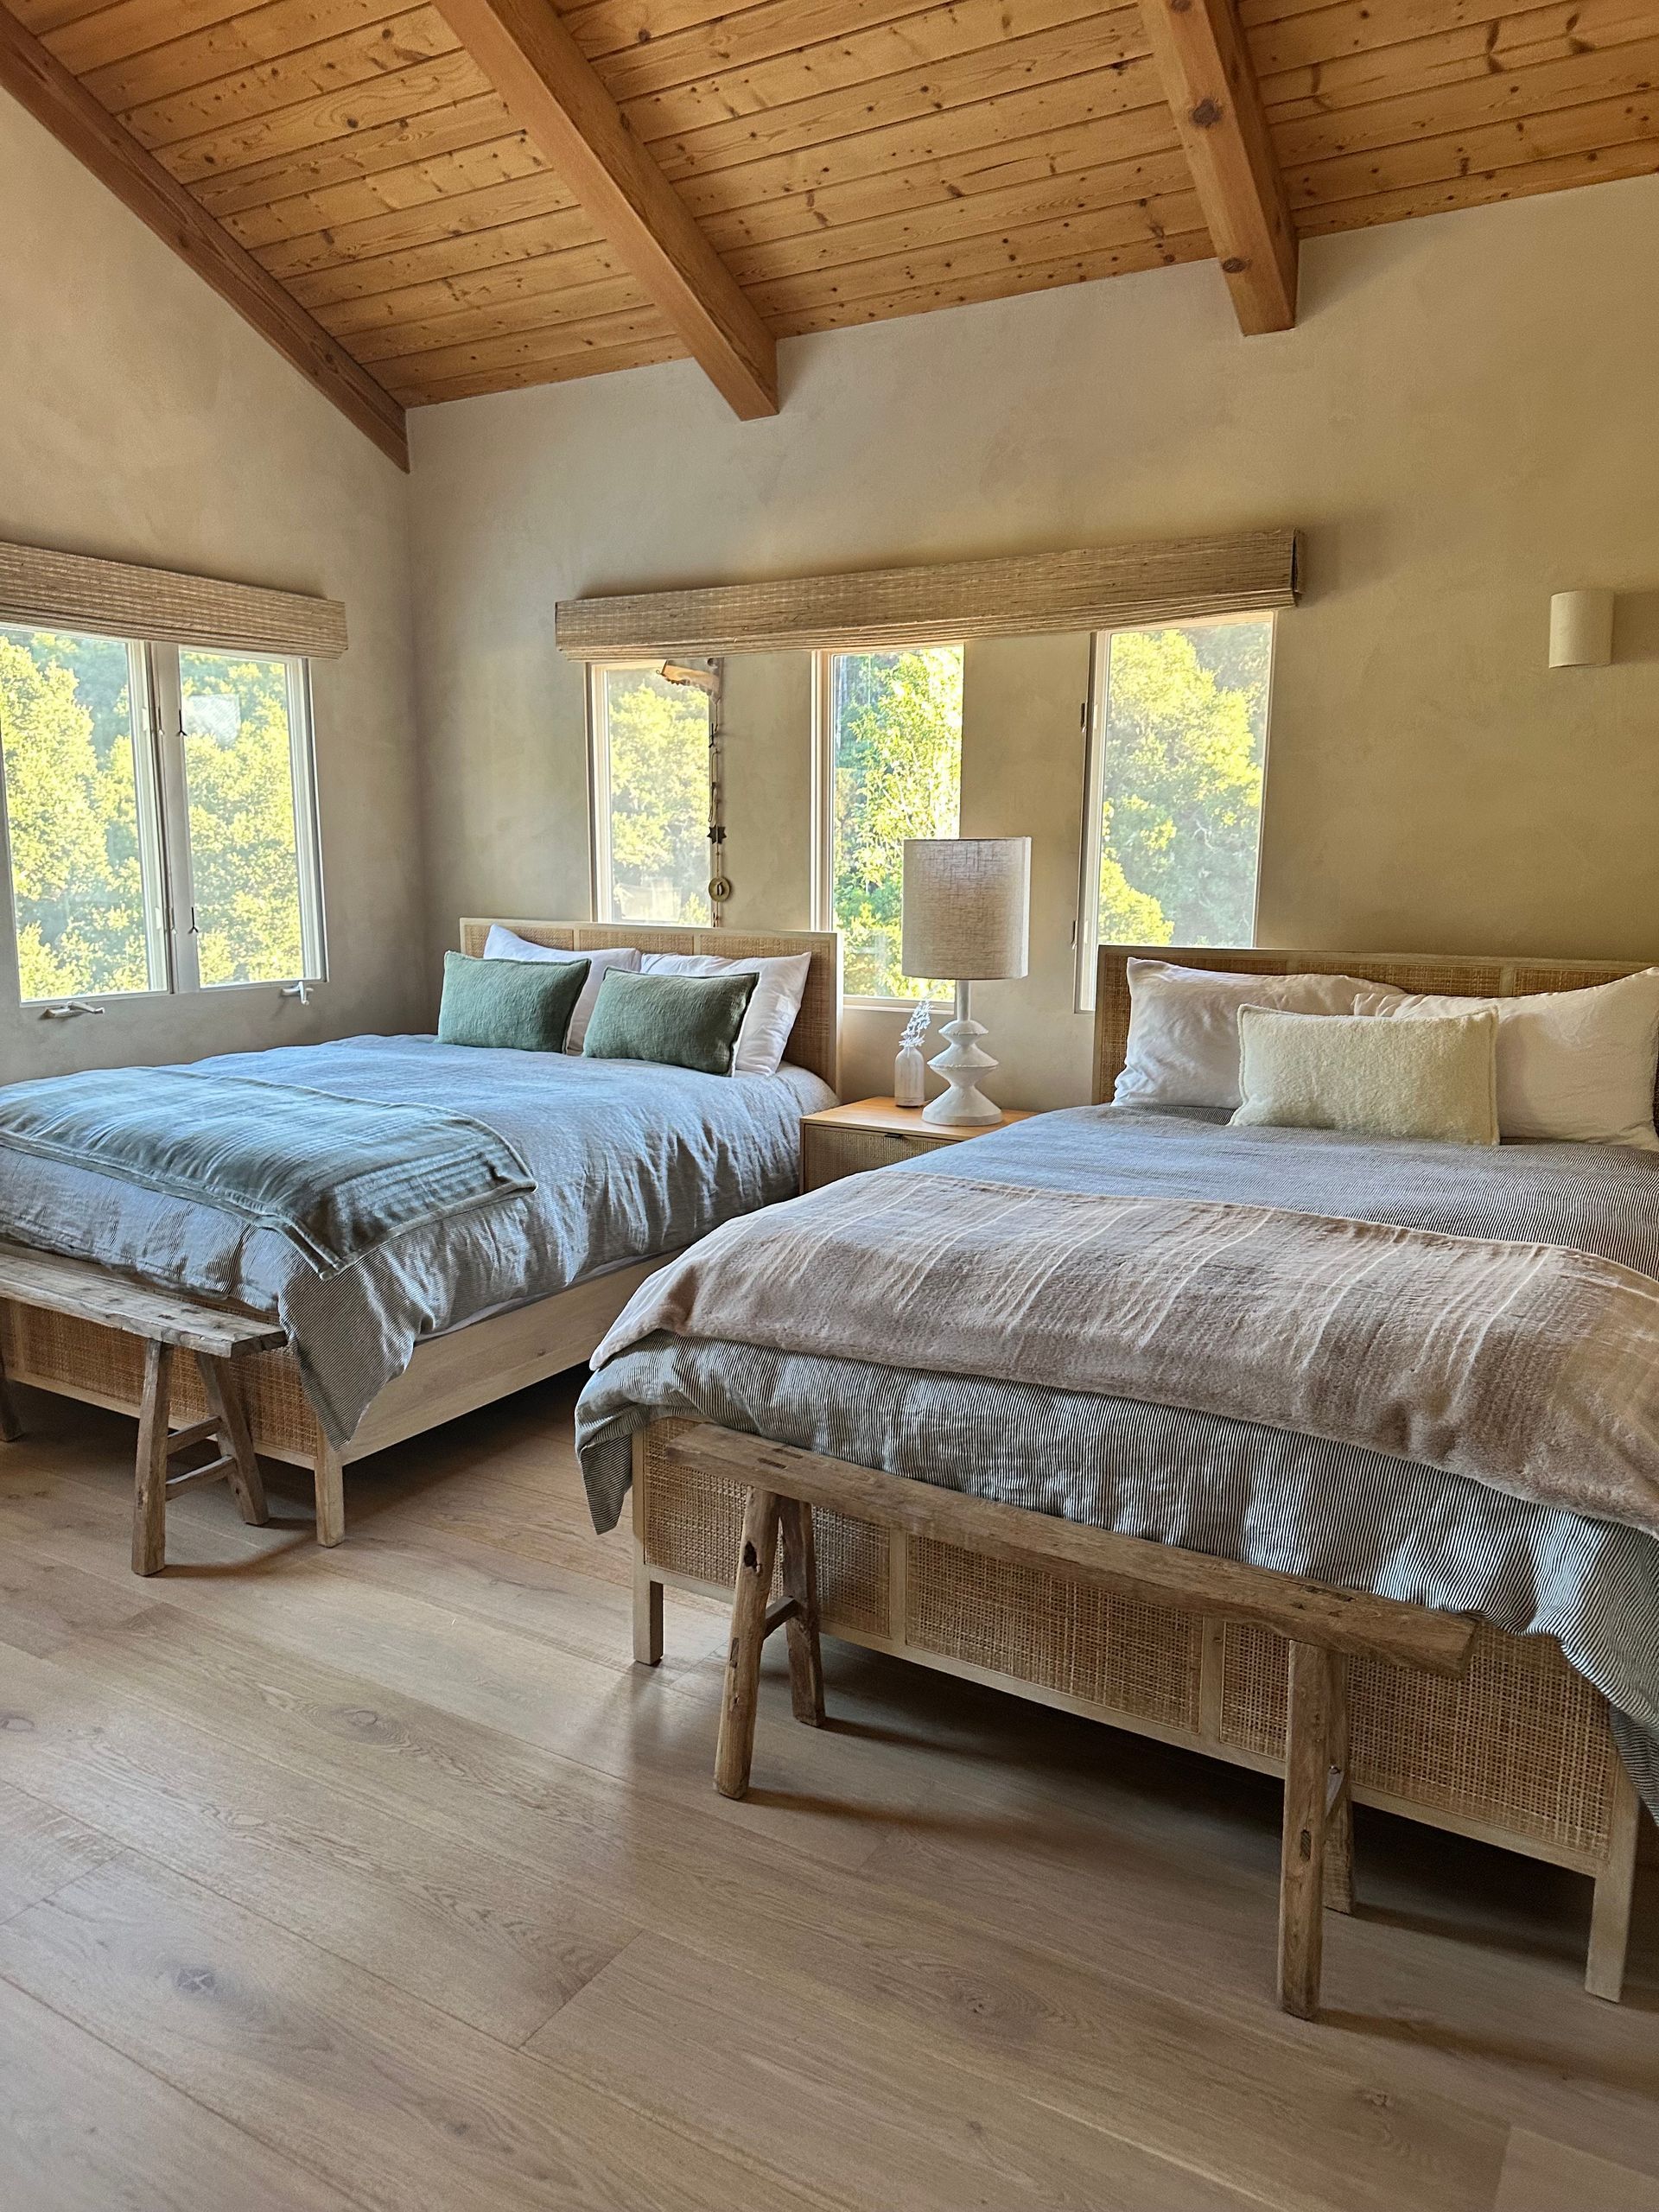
[897, 759]
[97, 856]
[656, 756]
[1183, 746]
[238, 768]
[66, 744]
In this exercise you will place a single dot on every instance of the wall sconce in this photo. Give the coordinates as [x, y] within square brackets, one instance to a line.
[1581, 629]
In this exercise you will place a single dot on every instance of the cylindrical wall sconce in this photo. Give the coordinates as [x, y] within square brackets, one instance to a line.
[1581, 629]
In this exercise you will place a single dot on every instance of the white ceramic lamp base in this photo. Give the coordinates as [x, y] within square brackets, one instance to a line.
[964, 1105]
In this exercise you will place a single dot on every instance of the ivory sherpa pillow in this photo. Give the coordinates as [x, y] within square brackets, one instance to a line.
[1432, 1078]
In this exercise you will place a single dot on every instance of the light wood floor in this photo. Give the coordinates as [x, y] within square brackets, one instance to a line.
[380, 1877]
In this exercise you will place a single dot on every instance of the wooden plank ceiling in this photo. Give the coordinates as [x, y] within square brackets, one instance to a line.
[848, 160]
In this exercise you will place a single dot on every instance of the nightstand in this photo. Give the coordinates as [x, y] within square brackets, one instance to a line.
[850, 1140]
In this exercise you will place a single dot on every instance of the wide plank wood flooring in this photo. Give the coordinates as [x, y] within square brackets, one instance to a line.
[380, 1877]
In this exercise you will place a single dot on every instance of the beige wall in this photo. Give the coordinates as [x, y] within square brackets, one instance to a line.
[141, 419]
[1463, 423]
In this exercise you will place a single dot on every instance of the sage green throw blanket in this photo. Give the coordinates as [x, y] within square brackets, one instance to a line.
[337, 1177]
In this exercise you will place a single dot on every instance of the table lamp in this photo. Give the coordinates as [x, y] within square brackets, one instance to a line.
[968, 919]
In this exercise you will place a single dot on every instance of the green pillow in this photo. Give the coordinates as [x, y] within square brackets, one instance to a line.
[681, 1022]
[522, 1004]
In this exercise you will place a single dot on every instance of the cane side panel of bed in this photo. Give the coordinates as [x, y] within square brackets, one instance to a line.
[814, 1041]
[1518, 1752]
[106, 1367]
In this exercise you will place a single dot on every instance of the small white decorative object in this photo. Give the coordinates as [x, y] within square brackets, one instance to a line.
[967, 917]
[910, 1069]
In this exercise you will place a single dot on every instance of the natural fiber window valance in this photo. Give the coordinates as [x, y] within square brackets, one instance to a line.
[113, 599]
[1102, 588]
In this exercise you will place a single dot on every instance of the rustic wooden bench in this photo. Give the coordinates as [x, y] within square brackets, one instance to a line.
[168, 1322]
[1324, 1626]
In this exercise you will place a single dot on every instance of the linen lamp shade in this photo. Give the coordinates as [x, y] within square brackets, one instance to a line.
[966, 907]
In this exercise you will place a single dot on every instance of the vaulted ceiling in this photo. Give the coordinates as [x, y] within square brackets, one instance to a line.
[395, 176]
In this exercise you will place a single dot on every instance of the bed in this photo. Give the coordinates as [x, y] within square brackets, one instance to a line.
[1521, 1751]
[645, 1160]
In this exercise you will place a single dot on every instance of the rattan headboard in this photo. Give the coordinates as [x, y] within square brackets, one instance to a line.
[816, 1040]
[1460, 974]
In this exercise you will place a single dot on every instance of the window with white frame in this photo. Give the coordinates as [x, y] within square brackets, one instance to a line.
[1176, 757]
[650, 773]
[888, 767]
[160, 816]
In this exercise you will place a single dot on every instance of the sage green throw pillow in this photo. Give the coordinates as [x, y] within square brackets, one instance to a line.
[681, 1022]
[523, 1005]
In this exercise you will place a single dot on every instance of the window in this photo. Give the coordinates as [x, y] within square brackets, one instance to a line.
[889, 767]
[160, 816]
[1174, 818]
[650, 741]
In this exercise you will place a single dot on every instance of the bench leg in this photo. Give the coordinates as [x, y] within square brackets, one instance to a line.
[149, 1497]
[224, 1397]
[1609, 1915]
[331, 1495]
[801, 1583]
[757, 1556]
[1339, 1803]
[1315, 1698]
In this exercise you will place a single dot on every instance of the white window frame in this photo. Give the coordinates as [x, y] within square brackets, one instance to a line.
[599, 885]
[1086, 932]
[822, 882]
[155, 689]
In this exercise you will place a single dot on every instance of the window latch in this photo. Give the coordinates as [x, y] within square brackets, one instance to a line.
[69, 1010]
[301, 990]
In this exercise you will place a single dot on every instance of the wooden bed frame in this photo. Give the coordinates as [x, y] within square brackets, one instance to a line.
[1517, 1752]
[449, 1375]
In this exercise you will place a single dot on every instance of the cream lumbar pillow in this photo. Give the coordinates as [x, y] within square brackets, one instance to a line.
[1425, 1079]
[1183, 1042]
[1577, 1066]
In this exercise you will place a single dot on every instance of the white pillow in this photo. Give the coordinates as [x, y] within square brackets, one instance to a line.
[1572, 1065]
[1432, 1079]
[1183, 1044]
[773, 1005]
[506, 944]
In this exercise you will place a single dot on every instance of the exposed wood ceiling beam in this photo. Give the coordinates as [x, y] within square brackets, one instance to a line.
[55, 98]
[1211, 85]
[554, 93]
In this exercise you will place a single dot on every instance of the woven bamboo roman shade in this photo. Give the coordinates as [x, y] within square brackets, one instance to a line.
[1102, 588]
[39, 589]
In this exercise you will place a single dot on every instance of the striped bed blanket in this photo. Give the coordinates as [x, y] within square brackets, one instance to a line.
[1406, 1367]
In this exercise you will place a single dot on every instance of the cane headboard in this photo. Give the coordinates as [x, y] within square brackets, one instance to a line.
[1460, 974]
[814, 1042]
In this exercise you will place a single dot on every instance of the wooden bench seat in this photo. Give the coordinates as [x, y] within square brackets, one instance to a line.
[1324, 1625]
[168, 1321]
